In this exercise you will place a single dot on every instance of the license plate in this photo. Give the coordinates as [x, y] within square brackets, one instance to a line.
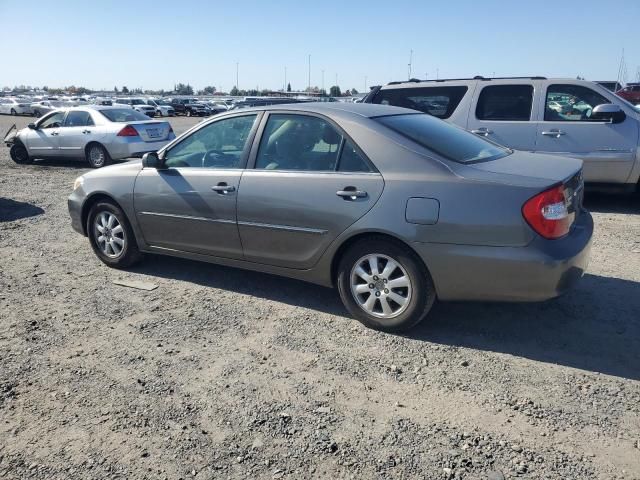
[153, 132]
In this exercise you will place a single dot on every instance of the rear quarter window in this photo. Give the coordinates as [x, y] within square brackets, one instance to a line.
[439, 102]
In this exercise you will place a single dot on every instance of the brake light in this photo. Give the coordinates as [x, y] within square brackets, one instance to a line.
[128, 131]
[548, 214]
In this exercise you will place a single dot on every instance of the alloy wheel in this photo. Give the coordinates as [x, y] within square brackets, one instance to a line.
[109, 234]
[96, 156]
[381, 286]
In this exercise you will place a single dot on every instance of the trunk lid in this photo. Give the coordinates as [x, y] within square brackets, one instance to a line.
[152, 131]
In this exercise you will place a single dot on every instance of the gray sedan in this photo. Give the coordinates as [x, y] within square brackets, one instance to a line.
[394, 207]
[98, 134]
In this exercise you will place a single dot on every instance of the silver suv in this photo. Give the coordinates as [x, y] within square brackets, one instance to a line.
[575, 118]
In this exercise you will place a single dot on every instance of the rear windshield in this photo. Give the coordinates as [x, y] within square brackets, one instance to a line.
[450, 142]
[123, 115]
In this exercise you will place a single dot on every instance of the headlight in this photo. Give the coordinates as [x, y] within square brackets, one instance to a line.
[78, 182]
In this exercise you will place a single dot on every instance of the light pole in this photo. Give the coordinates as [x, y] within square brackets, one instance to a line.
[323, 81]
[365, 83]
[309, 83]
[237, 69]
[410, 60]
[285, 79]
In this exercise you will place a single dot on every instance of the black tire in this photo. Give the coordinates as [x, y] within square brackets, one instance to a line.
[96, 155]
[129, 253]
[420, 300]
[19, 154]
[13, 112]
[36, 113]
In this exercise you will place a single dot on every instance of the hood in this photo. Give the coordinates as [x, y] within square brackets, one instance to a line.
[126, 168]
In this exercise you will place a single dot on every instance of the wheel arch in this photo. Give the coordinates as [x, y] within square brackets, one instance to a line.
[91, 201]
[352, 240]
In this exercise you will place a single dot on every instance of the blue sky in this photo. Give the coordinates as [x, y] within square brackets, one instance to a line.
[154, 44]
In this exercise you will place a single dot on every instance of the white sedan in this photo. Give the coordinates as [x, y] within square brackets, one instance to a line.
[95, 133]
[15, 106]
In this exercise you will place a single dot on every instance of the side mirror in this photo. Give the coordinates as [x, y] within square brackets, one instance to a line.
[32, 126]
[608, 112]
[151, 160]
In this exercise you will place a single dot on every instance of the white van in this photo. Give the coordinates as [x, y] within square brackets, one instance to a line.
[568, 117]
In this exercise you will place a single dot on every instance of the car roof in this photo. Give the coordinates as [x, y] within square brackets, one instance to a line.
[415, 83]
[367, 110]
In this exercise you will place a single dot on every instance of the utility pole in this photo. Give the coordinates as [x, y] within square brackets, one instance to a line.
[410, 60]
[309, 83]
[323, 81]
[237, 69]
[284, 89]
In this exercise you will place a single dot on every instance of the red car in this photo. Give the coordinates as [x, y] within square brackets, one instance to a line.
[631, 93]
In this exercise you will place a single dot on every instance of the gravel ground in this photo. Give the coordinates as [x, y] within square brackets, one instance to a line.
[222, 373]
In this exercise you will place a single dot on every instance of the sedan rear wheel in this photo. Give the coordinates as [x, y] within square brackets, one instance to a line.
[97, 155]
[384, 285]
[111, 235]
[13, 112]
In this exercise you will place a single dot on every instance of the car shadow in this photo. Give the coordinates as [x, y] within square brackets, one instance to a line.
[60, 162]
[595, 327]
[612, 203]
[11, 210]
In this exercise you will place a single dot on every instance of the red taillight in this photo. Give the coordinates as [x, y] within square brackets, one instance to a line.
[547, 213]
[128, 131]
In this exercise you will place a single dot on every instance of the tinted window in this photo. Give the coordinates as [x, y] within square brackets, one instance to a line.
[54, 121]
[440, 102]
[298, 142]
[351, 160]
[442, 138]
[78, 119]
[577, 103]
[217, 145]
[123, 115]
[505, 102]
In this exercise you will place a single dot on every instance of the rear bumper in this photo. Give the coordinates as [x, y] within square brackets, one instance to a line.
[127, 147]
[542, 270]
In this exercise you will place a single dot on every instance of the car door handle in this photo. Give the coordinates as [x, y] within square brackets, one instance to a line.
[553, 133]
[223, 188]
[86, 131]
[482, 131]
[351, 193]
[53, 134]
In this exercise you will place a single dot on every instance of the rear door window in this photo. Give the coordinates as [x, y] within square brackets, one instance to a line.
[505, 103]
[440, 102]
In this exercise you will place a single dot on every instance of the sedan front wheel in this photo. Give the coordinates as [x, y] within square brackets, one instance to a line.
[384, 285]
[111, 236]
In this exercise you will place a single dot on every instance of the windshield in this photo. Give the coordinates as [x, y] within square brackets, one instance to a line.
[162, 102]
[137, 101]
[123, 115]
[450, 142]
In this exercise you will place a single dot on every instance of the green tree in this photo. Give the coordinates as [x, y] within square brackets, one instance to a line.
[125, 89]
[210, 90]
[182, 89]
[288, 87]
[335, 91]
[115, 89]
[234, 92]
[354, 91]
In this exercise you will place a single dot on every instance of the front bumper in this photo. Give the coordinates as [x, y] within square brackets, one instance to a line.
[542, 270]
[74, 203]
